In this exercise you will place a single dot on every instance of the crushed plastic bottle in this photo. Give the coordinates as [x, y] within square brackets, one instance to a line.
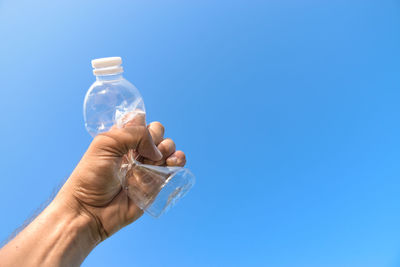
[114, 101]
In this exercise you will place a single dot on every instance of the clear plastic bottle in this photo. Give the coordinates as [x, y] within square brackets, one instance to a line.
[112, 100]
[110, 97]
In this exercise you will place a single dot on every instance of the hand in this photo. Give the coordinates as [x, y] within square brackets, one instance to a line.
[94, 188]
[92, 204]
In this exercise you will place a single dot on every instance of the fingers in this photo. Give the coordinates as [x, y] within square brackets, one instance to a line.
[178, 158]
[167, 148]
[148, 149]
[148, 142]
[156, 130]
[120, 140]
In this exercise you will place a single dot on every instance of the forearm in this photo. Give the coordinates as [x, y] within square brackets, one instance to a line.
[59, 236]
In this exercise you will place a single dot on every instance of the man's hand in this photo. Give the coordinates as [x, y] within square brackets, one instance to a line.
[91, 205]
[94, 187]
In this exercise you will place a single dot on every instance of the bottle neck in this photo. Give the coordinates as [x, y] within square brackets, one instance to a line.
[111, 77]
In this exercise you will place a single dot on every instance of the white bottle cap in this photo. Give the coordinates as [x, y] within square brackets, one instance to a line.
[107, 66]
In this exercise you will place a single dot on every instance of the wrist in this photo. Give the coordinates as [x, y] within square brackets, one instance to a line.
[78, 233]
[81, 222]
[73, 234]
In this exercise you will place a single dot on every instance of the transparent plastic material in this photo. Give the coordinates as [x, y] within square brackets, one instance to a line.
[108, 101]
[112, 100]
[154, 189]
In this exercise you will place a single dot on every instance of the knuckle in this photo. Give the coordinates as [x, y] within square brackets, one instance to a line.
[169, 144]
[106, 143]
[162, 147]
[181, 154]
[158, 125]
[106, 139]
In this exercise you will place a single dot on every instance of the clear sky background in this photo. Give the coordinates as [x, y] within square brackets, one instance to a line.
[288, 111]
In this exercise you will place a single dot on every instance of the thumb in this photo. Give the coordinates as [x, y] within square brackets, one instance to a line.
[147, 148]
[132, 135]
[119, 141]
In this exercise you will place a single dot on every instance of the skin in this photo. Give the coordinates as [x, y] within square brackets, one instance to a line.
[92, 204]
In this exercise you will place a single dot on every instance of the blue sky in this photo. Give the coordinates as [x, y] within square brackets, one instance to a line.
[288, 112]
